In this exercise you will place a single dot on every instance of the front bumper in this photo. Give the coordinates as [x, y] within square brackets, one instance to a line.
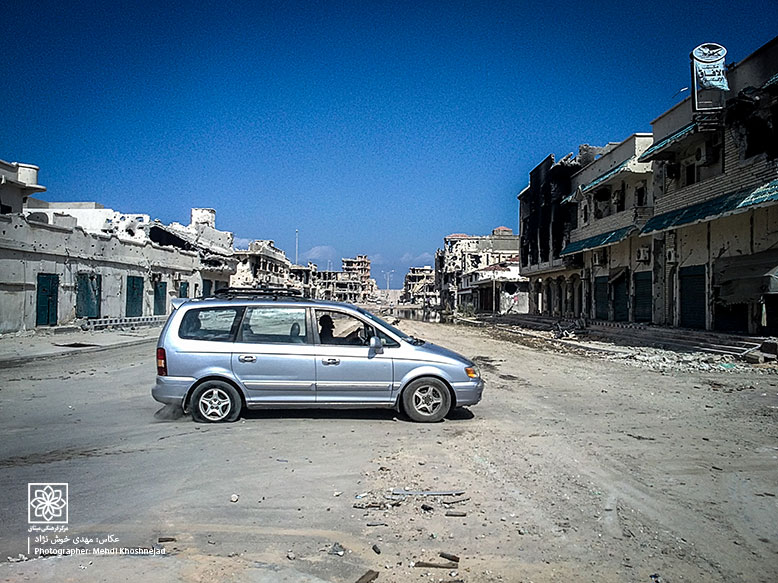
[171, 390]
[469, 392]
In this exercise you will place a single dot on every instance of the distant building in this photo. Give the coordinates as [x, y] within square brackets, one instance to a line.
[464, 253]
[498, 289]
[419, 287]
[262, 265]
[359, 266]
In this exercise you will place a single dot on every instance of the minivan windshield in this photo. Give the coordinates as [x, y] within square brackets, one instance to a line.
[392, 329]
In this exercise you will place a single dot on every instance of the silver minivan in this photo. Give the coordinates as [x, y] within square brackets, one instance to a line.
[262, 349]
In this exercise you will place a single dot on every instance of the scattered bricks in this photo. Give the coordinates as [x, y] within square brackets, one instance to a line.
[376, 549]
[368, 577]
[428, 565]
[455, 513]
[755, 357]
[427, 508]
[449, 557]
[166, 539]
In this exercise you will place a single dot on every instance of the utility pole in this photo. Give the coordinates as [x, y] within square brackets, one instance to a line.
[296, 244]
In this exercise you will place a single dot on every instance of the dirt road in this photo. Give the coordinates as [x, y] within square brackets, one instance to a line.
[573, 468]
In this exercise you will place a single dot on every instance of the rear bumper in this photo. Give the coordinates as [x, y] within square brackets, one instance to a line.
[468, 393]
[171, 390]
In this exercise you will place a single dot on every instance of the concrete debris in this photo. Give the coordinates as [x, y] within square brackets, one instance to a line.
[455, 513]
[376, 549]
[166, 539]
[429, 565]
[337, 549]
[234, 498]
[449, 557]
[402, 492]
[291, 556]
[368, 577]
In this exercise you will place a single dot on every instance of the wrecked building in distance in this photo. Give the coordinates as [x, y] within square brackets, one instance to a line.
[462, 254]
[360, 267]
[352, 284]
[262, 265]
[675, 228]
[419, 287]
[498, 289]
[305, 279]
[63, 263]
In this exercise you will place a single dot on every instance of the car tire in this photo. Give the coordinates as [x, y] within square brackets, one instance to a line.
[215, 402]
[426, 400]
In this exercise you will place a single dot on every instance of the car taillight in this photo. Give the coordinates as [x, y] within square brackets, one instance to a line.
[161, 362]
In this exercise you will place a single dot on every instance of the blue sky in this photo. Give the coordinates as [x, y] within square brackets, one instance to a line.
[372, 127]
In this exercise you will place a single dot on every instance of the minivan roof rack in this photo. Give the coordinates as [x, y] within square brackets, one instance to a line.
[259, 292]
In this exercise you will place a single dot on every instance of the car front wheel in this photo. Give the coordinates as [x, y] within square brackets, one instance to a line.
[426, 400]
[215, 402]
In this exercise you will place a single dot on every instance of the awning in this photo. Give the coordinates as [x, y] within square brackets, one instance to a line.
[661, 149]
[609, 238]
[604, 177]
[746, 278]
[714, 208]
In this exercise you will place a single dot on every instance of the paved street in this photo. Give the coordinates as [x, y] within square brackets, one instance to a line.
[573, 468]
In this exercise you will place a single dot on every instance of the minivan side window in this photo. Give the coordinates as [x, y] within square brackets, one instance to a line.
[339, 328]
[263, 325]
[212, 324]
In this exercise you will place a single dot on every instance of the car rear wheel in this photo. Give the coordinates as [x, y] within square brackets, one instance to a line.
[215, 402]
[426, 400]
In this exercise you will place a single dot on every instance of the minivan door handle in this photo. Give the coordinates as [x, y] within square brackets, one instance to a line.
[327, 361]
[247, 358]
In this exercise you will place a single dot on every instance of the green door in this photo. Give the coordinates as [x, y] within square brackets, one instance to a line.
[183, 289]
[160, 298]
[88, 287]
[620, 304]
[601, 297]
[48, 294]
[207, 283]
[134, 296]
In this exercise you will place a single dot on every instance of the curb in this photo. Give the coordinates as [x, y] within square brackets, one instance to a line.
[19, 360]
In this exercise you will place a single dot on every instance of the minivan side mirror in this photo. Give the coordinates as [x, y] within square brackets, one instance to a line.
[376, 345]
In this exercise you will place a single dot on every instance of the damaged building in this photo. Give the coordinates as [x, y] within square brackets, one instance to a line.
[462, 254]
[262, 265]
[66, 263]
[676, 228]
[419, 287]
[352, 284]
[609, 203]
[498, 289]
[546, 225]
[713, 236]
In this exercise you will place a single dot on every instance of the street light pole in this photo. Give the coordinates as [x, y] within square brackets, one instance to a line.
[296, 244]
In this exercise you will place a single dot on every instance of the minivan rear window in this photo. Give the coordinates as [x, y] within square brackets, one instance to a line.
[211, 324]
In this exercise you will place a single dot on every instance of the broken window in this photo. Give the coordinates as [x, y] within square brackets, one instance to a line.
[602, 203]
[618, 199]
[690, 175]
[641, 198]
